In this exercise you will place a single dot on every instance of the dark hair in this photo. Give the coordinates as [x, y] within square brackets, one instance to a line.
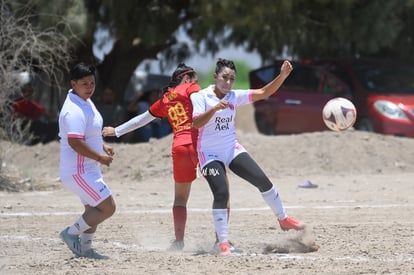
[222, 63]
[81, 70]
[26, 85]
[178, 75]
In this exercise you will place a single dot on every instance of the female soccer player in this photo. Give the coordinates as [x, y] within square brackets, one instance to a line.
[175, 105]
[82, 151]
[214, 111]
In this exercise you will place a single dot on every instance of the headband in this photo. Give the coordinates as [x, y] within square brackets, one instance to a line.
[184, 73]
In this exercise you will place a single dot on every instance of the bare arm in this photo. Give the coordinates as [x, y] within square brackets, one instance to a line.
[274, 85]
[80, 146]
[202, 119]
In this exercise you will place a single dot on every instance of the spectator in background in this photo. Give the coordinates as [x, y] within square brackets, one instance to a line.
[140, 104]
[160, 127]
[330, 86]
[43, 124]
[112, 113]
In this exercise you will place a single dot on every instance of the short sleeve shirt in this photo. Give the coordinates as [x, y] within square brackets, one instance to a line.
[175, 105]
[29, 109]
[219, 133]
[79, 119]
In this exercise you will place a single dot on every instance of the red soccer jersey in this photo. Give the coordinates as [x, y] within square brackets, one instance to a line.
[175, 105]
[28, 109]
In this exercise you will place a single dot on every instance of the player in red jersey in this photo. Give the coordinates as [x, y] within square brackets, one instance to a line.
[175, 105]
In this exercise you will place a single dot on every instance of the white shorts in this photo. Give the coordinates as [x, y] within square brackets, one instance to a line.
[90, 187]
[226, 156]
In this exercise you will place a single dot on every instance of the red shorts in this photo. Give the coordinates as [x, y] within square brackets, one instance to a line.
[185, 163]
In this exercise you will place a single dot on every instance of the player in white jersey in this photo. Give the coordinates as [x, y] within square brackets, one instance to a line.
[82, 151]
[214, 111]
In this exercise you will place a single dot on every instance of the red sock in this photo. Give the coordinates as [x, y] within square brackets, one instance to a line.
[180, 218]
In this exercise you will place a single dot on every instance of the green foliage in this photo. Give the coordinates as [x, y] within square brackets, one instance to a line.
[242, 80]
[301, 28]
[68, 16]
[206, 79]
[307, 29]
[147, 29]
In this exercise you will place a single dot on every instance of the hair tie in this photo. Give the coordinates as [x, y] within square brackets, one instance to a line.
[184, 73]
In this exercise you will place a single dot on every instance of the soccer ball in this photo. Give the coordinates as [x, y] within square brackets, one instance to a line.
[339, 114]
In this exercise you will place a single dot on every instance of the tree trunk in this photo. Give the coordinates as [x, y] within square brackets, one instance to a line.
[119, 65]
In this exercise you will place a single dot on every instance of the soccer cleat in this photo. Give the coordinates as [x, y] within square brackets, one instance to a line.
[290, 223]
[224, 249]
[233, 249]
[177, 245]
[72, 241]
[92, 254]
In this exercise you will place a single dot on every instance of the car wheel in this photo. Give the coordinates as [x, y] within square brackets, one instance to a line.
[365, 124]
[262, 124]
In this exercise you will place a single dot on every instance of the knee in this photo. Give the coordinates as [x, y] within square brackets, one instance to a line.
[262, 183]
[180, 201]
[181, 194]
[109, 208]
[221, 199]
[112, 210]
[265, 187]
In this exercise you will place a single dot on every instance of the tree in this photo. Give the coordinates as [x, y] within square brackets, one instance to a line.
[147, 29]
[24, 52]
[301, 28]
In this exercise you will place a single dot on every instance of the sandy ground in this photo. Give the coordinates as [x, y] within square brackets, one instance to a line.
[361, 216]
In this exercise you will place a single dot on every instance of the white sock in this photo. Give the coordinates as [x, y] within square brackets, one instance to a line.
[220, 224]
[273, 200]
[78, 227]
[86, 241]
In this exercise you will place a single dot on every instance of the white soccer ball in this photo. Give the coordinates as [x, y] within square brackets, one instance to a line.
[339, 114]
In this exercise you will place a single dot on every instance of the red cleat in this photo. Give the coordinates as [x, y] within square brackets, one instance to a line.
[291, 223]
[224, 249]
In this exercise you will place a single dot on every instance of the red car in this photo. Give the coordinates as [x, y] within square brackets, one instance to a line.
[382, 91]
[297, 106]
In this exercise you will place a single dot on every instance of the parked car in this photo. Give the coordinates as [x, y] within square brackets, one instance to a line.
[382, 91]
[297, 106]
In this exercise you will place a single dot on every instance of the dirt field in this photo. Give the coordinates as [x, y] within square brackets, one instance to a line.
[361, 216]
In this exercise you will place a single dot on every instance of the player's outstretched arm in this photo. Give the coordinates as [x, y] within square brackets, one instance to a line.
[132, 124]
[274, 85]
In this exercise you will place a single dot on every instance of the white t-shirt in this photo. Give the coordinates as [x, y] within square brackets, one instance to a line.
[219, 133]
[79, 118]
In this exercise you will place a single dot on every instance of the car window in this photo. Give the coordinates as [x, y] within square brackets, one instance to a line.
[331, 85]
[334, 86]
[341, 74]
[302, 77]
[267, 74]
[387, 79]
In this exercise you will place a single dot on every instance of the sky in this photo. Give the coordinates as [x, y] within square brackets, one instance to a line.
[203, 64]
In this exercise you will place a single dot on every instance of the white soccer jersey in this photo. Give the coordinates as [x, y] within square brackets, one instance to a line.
[218, 135]
[79, 118]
